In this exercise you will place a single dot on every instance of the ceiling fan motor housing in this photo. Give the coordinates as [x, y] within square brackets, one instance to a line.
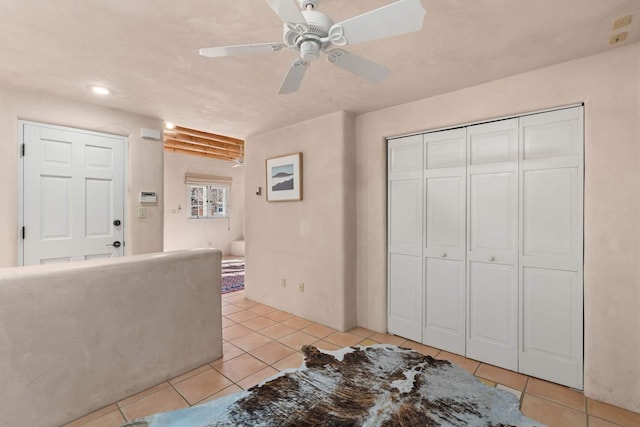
[306, 37]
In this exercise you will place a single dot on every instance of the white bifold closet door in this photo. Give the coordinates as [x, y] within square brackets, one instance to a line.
[485, 242]
[445, 229]
[404, 238]
[551, 242]
[492, 243]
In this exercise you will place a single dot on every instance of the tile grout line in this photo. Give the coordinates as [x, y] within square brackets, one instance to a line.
[524, 391]
[124, 417]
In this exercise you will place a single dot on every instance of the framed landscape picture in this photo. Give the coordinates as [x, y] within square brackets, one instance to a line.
[284, 178]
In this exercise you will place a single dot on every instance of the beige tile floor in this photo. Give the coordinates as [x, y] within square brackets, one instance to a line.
[260, 341]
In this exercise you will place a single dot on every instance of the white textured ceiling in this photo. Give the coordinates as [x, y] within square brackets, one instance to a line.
[146, 51]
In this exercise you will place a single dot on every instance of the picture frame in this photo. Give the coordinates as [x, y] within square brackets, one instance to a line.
[284, 178]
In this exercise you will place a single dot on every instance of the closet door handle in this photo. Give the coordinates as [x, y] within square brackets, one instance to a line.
[443, 254]
[492, 258]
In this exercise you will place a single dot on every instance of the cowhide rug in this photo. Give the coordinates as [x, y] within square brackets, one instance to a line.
[379, 385]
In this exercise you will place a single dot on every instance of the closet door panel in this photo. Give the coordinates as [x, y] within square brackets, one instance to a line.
[445, 239]
[551, 246]
[405, 218]
[555, 134]
[404, 239]
[550, 218]
[405, 298]
[493, 142]
[552, 325]
[549, 311]
[493, 314]
[405, 156]
[445, 149]
[445, 305]
[445, 217]
[493, 217]
[492, 236]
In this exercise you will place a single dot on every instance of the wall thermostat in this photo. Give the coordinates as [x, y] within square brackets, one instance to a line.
[148, 197]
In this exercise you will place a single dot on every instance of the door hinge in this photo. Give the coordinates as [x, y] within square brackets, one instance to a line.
[24, 232]
[22, 149]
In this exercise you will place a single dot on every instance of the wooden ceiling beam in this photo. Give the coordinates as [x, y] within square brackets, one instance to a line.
[206, 135]
[234, 152]
[220, 156]
[205, 142]
[199, 149]
[193, 153]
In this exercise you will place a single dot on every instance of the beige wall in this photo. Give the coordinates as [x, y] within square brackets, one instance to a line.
[144, 172]
[609, 86]
[310, 241]
[78, 336]
[180, 232]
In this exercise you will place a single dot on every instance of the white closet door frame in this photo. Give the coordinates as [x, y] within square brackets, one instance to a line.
[405, 237]
[551, 187]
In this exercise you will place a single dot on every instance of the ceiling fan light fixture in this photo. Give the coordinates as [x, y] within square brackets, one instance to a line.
[309, 50]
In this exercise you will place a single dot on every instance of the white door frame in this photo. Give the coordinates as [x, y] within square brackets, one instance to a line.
[125, 169]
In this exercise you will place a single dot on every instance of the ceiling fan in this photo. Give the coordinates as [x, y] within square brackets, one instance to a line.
[311, 33]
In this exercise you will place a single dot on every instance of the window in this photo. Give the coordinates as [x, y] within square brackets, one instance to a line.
[208, 201]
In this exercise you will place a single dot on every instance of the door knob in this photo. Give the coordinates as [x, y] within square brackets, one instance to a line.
[115, 244]
[116, 222]
[443, 254]
[492, 258]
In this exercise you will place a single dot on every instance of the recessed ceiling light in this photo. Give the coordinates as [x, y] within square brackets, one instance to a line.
[169, 125]
[100, 90]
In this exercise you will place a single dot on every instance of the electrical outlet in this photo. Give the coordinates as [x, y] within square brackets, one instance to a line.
[623, 21]
[620, 37]
[283, 282]
[301, 287]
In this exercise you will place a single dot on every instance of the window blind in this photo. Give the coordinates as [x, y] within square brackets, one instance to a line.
[193, 178]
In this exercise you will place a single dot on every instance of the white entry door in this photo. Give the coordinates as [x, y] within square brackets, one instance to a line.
[492, 292]
[405, 237]
[72, 194]
[445, 230]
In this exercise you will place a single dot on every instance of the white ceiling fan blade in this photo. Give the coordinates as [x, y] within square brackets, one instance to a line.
[244, 49]
[294, 77]
[405, 16]
[357, 65]
[287, 10]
